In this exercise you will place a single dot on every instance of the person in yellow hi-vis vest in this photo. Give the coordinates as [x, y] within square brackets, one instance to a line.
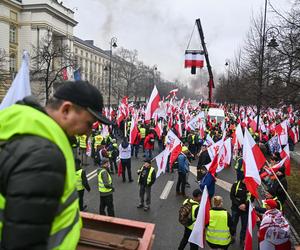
[143, 136]
[81, 183]
[106, 189]
[219, 229]
[82, 148]
[39, 206]
[97, 140]
[146, 179]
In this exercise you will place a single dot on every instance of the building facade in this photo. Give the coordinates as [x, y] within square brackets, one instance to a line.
[23, 26]
[93, 63]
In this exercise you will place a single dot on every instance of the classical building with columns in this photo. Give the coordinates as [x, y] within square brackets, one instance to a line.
[23, 25]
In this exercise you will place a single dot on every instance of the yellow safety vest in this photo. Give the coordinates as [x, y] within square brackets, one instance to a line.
[25, 120]
[217, 231]
[82, 141]
[194, 207]
[143, 133]
[193, 139]
[149, 175]
[236, 165]
[102, 188]
[79, 185]
[98, 140]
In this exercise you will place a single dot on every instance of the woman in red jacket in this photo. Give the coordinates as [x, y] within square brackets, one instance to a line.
[149, 144]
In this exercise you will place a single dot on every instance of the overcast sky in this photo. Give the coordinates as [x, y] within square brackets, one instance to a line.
[160, 29]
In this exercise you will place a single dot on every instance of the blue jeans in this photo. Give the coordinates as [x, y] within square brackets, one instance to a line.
[148, 153]
[135, 150]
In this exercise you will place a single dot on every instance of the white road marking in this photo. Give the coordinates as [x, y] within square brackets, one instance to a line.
[297, 153]
[166, 191]
[91, 173]
[92, 176]
[223, 184]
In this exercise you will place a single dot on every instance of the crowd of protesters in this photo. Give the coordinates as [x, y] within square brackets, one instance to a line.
[195, 144]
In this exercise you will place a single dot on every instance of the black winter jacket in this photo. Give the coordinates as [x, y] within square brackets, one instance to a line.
[32, 176]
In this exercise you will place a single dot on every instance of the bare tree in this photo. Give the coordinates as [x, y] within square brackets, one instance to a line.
[130, 69]
[49, 60]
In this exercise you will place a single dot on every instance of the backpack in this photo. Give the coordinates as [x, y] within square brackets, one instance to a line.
[185, 213]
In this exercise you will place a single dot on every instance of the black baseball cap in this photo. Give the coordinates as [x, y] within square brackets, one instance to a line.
[147, 161]
[85, 95]
[197, 192]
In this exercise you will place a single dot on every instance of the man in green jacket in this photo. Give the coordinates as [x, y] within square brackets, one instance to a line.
[39, 206]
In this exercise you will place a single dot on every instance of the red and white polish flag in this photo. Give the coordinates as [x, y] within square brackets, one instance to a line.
[152, 105]
[251, 225]
[178, 128]
[133, 131]
[158, 129]
[275, 168]
[253, 161]
[282, 132]
[239, 135]
[194, 60]
[294, 134]
[285, 153]
[197, 236]
[161, 162]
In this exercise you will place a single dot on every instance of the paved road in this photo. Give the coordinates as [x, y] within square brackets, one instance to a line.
[163, 212]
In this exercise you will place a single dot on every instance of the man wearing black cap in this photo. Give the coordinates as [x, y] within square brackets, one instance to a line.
[147, 176]
[39, 206]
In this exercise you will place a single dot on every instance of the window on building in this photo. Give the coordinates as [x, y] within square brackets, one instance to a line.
[76, 50]
[12, 34]
[86, 54]
[12, 63]
[81, 52]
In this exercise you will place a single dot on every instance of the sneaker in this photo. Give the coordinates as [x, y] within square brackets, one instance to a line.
[146, 208]
[130, 180]
[178, 193]
[140, 205]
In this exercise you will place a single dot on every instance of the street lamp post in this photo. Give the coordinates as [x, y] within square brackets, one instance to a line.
[113, 44]
[273, 44]
[154, 70]
[261, 66]
[227, 64]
